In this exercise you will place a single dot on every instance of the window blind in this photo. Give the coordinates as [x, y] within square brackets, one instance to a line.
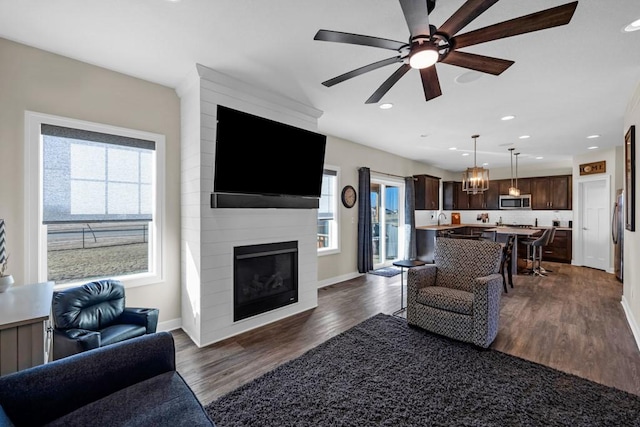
[325, 209]
[95, 177]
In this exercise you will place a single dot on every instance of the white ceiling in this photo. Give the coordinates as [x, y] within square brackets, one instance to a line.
[567, 82]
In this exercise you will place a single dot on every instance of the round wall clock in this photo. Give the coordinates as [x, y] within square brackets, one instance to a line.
[349, 196]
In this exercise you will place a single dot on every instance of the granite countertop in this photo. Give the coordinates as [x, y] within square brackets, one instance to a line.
[452, 226]
[488, 227]
[505, 229]
[542, 227]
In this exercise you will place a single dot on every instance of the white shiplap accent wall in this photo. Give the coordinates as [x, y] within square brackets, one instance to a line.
[209, 235]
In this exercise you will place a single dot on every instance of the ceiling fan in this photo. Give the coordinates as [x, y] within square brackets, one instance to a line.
[428, 45]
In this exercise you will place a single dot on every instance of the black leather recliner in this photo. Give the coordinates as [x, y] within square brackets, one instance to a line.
[94, 315]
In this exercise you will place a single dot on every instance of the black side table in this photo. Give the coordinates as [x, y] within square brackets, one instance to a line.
[405, 263]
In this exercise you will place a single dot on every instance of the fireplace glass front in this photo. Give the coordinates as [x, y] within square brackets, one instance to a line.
[265, 277]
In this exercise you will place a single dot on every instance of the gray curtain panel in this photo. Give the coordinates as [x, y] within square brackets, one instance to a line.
[365, 248]
[410, 251]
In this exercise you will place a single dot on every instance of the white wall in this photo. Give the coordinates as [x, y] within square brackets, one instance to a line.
[631, 273]
[210, 235]
[614, 170]
[35, 80]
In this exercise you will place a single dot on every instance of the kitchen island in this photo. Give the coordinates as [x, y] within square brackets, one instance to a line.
[426, 236]
[503, 232]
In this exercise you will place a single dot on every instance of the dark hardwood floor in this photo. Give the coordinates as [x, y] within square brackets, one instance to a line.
[571, 320]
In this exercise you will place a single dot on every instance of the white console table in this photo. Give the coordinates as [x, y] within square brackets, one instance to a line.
[24, 311]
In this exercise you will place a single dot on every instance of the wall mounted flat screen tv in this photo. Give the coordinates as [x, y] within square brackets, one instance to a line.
[257, 156]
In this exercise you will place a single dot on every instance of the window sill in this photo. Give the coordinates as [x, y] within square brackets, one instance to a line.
[323, 252]
[129, 281]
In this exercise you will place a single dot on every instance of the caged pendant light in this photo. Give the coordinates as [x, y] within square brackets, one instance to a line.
[476, 179]
[513, 190]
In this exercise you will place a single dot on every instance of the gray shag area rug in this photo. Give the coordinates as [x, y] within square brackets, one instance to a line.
[386, 271]
[384, 373]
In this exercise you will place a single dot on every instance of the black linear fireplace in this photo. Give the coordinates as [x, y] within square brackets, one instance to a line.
[265, 277]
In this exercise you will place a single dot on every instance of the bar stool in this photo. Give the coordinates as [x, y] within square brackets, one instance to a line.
[553, 235]
[534, 250]
[507, 251]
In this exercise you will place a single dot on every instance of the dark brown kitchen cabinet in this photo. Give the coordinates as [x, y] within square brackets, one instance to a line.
[551, 192]
[476, 201]
[492, 196]
[524, 185]
[560, 249]
[449, 195]
[488, 199]
[427, 190]
[453, 198]
[505, 184]
[462, 197]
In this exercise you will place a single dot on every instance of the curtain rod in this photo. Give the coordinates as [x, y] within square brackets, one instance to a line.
[390, 174]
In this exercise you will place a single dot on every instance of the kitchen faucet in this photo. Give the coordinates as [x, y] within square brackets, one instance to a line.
[441, 214]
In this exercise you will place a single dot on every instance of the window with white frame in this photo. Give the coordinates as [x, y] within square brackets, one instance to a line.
[328, 213]
[99, 201]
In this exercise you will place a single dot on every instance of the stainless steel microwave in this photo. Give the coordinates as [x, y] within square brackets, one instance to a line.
[522, 201]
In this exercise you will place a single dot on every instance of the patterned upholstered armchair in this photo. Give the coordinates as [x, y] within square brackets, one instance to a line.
[459, 295]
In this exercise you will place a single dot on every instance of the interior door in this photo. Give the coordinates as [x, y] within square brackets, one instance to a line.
[387, 219]
[595, 232]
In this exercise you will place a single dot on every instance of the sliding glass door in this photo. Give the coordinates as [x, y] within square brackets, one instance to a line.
[387, 215]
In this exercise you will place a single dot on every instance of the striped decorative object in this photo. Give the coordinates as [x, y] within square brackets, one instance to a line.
[3, 251]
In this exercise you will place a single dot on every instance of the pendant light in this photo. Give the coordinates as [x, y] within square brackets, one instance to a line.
[517, 188]
[476, 179]
[513, 190]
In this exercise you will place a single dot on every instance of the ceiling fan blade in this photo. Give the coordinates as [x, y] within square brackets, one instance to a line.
[339, 37]
[384, 87]
[486, 64]
[548, 18]
[430, 82]
[463, 16]
[361, 70]
[416, 13]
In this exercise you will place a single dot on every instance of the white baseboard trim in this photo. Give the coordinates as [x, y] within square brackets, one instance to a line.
[169, 325]
[337, 279]
[633, 324]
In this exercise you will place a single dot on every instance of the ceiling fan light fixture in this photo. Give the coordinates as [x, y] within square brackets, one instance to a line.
[423, 56]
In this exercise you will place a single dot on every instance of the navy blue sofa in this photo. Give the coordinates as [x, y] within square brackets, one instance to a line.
[129, 383]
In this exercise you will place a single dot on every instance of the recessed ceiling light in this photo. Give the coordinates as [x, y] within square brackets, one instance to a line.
[634, 26]
[539, 158]
[465, 154]
[505, 118]
[452, 148]
[468, 77]
[593, 147]
[593, 136]
[525, 137]
[386, 106]
[485, 164]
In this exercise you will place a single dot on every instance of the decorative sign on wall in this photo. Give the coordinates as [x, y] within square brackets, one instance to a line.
[595, 167]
